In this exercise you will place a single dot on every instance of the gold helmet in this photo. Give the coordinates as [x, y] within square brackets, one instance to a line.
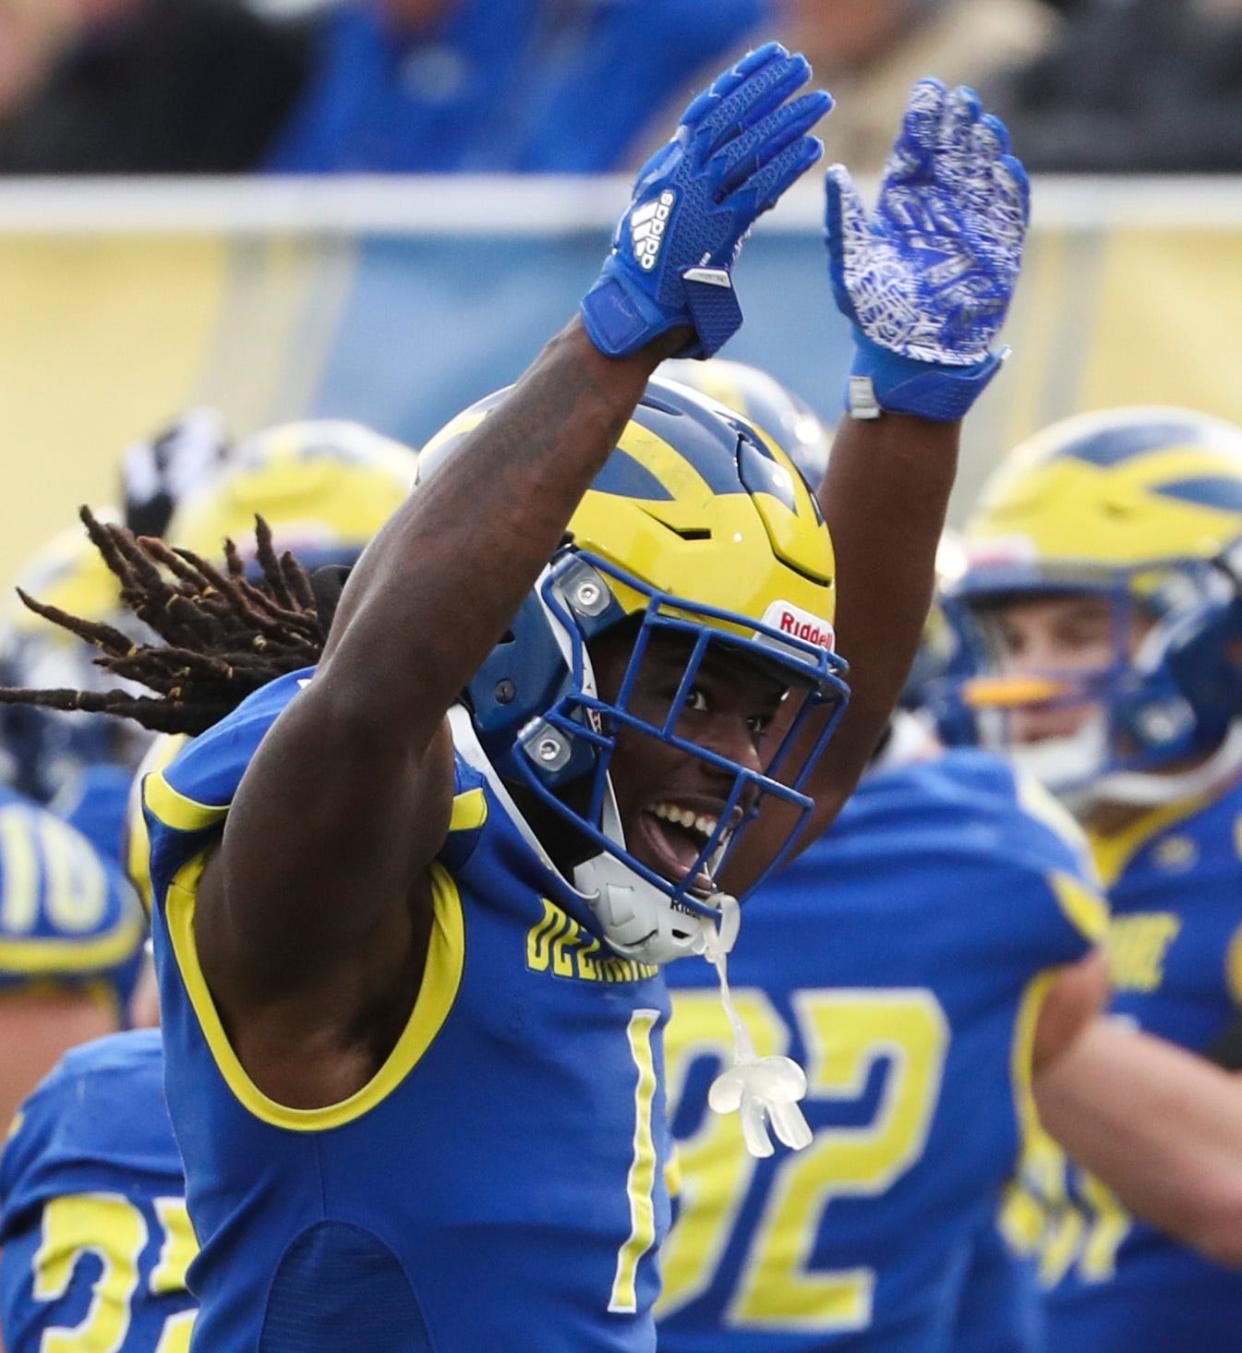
[1143, 507]
[324, 487]
[695, 527]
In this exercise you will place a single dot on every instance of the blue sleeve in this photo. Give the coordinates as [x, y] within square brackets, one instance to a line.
[27, 1139]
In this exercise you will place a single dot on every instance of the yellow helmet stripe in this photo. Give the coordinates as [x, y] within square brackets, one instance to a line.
[673, 470]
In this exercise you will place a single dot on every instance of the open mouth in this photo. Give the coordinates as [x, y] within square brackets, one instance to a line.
[674, 836]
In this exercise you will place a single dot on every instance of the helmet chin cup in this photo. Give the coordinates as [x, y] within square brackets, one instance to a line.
[1067, 766]
[639, 921]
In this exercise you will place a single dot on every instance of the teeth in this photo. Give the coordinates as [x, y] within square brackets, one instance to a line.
[684, 817]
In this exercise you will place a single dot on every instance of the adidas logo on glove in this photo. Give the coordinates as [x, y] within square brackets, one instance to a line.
[647, 228]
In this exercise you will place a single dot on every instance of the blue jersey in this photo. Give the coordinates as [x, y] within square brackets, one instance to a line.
[1001, 1308]
[68, 916]
[1175, 950]
[94, 1234]
[900, 961]
[498, 1184]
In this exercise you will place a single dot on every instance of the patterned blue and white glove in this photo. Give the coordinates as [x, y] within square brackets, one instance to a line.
[739, 146]
[928, 279]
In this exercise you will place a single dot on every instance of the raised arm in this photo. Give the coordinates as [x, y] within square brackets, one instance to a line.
[926, 282]
[348, 797]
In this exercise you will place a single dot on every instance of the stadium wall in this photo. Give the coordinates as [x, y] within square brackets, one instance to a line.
[399, 301]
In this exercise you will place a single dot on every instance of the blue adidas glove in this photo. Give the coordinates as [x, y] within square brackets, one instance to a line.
[928, 279]
[739, 146]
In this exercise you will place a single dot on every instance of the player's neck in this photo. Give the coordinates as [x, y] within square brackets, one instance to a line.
[1108, 817]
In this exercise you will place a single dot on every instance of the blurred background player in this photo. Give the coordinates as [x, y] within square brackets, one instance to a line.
[1101, 604]
[71, 928]
[95, 1239]
[71, 934]
[903, 960]
[67, 761]
[324, 488]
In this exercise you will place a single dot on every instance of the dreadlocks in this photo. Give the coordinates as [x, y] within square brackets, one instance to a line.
[224, 636]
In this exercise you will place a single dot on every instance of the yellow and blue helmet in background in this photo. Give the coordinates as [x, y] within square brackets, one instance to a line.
[695, 527]
[1142, 506]
[46, 749]
[325, 487]
[785, 420]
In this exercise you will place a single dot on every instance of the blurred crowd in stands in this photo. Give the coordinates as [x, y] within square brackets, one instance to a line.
[551, 86]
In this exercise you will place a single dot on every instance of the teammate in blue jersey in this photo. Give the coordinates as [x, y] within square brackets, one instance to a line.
[865, 1242]
[71, 935]
[1102, 606]
[410, 901]
[95, 1239]
[903, 959]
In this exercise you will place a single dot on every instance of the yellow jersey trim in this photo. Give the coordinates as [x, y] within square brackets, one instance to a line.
[176, 810]
[1233, 966]
[1113, 852]
[469, 811]
[1030, 1131]
[1084, 908]
[441, 980]
[69, 957]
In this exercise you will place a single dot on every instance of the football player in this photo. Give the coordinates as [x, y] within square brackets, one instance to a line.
[71, 935]
[324, 488]
[80, 767]
[904, 959]
[95, 1239]
[76, 765]
[1101, 601]
[410, 901]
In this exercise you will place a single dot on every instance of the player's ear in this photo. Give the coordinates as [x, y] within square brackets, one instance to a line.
[327, 584]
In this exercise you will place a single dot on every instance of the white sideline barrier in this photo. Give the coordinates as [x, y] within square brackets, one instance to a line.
[398, 301]
[522, 206]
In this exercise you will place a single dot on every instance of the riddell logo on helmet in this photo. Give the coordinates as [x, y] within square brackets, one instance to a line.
[799, 624]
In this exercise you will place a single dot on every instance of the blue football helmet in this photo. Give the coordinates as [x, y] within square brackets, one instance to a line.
[697, 528]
